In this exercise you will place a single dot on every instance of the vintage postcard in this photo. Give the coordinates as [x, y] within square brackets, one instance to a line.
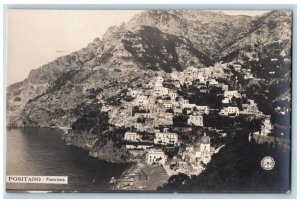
[186, 101]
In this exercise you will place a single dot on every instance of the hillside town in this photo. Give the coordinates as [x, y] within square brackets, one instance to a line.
[157, 114]
[161, 100]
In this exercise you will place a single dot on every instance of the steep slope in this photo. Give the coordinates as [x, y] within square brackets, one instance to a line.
[265, 52]
[268, 36]
[43, 79]
[152, 40]
[209, 31]
[51, 93]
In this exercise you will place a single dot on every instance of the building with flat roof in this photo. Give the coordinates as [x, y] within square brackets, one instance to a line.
[155, 156]
[196, 120]
[230, 94]
[132, 136]
[166, 138]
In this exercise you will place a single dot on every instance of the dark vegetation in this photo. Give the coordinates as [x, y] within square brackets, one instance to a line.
[160, 49]
[90, 119]
[236, 168]
[57, 84]
[213, 97]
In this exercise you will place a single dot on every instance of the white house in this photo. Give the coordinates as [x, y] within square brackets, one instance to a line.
[248, 76]
[225, 87]
[177, 83]
[135, 93]
[159, 80]
[160, 90]
[168, 105]
[266, 127]
[138, 146]
[203, 109]
[166, 138]
[174, 75]
[141, 100]
[172, 95]
[213, 82]
[132, 136]
[230, 94]
[190, 73]
[230, 111]
[196, 120]
[166, 115]
[250, 107]
[188, 106]
[201, 78]
[225, 100]
[183, 103]
[143, 115]
[177, 110]
[155, 157]
[207, 72]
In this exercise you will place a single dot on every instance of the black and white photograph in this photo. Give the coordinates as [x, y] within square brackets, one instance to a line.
[148, 101]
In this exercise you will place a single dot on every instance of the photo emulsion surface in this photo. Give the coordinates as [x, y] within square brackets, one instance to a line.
[195, 101]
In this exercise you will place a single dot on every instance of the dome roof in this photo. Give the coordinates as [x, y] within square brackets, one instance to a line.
[205, 139]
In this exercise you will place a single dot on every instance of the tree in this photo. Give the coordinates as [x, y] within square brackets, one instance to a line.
[237, 168]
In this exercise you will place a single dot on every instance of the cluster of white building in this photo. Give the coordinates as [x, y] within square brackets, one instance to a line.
[246, 72]
[160, 138]
[155, 106]
[201, 152]
[194, 157]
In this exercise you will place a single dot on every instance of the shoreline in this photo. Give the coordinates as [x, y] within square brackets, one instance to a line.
[92, 173]
[141, 176]
[63, 128]
[137, 176]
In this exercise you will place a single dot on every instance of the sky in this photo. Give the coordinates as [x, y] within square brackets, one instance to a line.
[245, 12]
[36, 37]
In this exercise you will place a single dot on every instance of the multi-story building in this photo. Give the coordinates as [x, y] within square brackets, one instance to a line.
[230, 94]
[166, 138]
[187, 105]
[213, 82]
[203, 109]
[226, 100]
[143, 115]
[166, 115]
[132, 136]
[266, 127]
[230, 111]
[159, 80]
[135, 93]
[141, 100]
[160, 91]
[138, 146]
[177, 83]
[177, 110]
[168, 105]
[172, 95]
[155, 156]
[196, 120]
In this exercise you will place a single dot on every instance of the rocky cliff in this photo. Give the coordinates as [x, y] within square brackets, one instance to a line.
[63, 91]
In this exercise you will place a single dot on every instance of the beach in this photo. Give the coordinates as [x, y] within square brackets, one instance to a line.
[142, 177]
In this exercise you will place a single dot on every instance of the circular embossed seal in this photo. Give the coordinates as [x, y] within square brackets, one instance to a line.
[267, 163]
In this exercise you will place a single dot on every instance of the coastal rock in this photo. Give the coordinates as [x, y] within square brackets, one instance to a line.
[151, 43]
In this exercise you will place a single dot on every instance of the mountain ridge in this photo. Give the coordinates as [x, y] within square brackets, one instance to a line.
[139, 45]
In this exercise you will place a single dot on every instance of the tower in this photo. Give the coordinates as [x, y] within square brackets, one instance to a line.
[205, 143]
